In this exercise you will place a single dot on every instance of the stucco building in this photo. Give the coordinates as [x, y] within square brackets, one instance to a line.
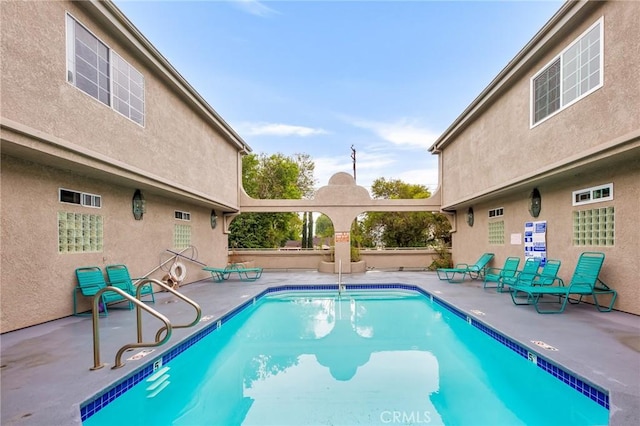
[92, 113]
[93, 118]
[558, 130]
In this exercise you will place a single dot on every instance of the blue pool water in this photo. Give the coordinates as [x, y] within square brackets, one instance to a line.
[370, 357]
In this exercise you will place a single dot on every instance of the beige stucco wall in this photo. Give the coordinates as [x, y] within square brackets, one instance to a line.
[499, 142]
[621, 267]
[311, 259]
[491, 157]
[55, 136]
[342, 201]
[37, 280]
[176, 142]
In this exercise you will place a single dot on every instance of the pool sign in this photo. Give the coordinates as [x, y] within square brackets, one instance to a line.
[535, 240]
[342, 237]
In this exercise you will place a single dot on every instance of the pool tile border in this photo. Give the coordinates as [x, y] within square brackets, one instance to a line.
[95, 404]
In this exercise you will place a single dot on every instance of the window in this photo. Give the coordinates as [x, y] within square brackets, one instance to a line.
[570, 76]
[81, 198]
[595, 194]
[128, 90]
[181, 236]
[87, 62]
[80, 233]
[182, 215]
[496, 212]
[101, 73]
[595, 227]
[496, 232]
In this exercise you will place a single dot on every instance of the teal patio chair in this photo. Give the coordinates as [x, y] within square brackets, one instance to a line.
[527, 275]
[548, 276]
[461, 270]
[118, 276]
[496, 275]
[584, 282]
[90, 281]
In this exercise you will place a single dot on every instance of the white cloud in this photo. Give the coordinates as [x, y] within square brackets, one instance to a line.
[254, 7]
[427, 177]
[403, 132]
[278, 129]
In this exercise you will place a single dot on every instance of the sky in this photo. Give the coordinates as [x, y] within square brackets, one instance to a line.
[320, 77]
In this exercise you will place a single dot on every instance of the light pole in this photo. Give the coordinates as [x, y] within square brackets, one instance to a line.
[353, 156]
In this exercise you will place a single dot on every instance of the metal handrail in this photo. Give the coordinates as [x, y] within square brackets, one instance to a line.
[166, 327]
[139, 305]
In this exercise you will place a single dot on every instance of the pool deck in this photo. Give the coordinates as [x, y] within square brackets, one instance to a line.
[45, 373]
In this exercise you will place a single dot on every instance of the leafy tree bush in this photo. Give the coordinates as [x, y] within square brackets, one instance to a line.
[403, 229]
[272, 177]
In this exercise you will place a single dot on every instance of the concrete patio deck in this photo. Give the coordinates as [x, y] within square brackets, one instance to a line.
[45, 372]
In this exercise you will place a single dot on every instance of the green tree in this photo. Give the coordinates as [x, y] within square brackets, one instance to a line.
[272, 177]
[403, 229]
[324, 226]
[309, 230]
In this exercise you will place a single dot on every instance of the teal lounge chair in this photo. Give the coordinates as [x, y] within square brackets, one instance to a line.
[245, 274]
[528, 273]
[548, 276]
[496, 275]
[584, 282]
[217, 274]
[461, 270]
[119, 277]
[90, 281]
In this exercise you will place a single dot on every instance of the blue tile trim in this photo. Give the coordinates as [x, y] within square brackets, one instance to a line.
[93, 405]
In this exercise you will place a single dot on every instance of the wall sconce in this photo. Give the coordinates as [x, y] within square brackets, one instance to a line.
[214, 219]
[535, 203]
[138, 205]
[470, 216]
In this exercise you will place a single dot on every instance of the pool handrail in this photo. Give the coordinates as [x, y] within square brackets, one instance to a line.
[166, 327]
[140, 305]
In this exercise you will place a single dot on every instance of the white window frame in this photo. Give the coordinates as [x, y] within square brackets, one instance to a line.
[497, 212]
[123, 77]
[85, 199]
[182, 215]
[561, 56]
[591, 195]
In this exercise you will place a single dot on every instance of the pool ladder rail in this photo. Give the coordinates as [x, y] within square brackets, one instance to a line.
[341, 286]
[140, 306]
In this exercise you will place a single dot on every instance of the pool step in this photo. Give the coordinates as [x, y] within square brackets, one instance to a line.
[158, 381]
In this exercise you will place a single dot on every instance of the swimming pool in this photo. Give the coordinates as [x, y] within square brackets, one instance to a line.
[372, 357]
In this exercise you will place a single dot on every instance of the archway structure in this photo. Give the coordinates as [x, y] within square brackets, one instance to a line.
[342, 201]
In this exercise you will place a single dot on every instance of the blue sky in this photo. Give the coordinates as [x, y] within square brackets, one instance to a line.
[317, 77]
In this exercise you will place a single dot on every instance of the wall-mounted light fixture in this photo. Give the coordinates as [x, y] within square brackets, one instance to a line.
[535, 203]
[214, 219]
[138, 205]
[470, 216]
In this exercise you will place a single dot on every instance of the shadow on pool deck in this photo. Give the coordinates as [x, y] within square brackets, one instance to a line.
[45, 372]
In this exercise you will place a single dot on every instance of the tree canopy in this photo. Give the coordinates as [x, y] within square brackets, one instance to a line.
[272, 177]
[403, 229]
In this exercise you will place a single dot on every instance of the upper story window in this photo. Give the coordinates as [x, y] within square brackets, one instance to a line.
[570, 76]
[594, 194]
[182, 215]
[496, 212]
[81, 198]
[101, 73]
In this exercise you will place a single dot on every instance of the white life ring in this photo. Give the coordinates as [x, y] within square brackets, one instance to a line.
[178, 272]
